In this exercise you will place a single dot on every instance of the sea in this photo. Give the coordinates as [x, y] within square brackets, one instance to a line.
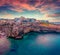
[35, 43]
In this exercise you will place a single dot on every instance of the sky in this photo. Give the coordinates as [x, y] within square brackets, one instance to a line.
[39, 9]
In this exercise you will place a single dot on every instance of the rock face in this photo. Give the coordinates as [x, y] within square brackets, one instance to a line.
[17, 30]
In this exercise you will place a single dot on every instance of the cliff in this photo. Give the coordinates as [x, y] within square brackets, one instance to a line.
[18, 30]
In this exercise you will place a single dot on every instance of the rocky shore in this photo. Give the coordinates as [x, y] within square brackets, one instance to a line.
[16, 30]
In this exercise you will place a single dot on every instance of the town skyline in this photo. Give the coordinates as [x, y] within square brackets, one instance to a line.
[28, 18]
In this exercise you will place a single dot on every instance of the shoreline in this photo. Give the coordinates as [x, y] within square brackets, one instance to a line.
[11, 37]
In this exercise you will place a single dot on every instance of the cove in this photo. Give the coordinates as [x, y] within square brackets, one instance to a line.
[33, 44]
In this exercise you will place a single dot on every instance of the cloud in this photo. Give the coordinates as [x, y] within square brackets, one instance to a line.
[16, 9]
[20, 5]
[2, 2]
[54, 15]
[23, 5]
[58, 1]
[47, 7]
[6, 15]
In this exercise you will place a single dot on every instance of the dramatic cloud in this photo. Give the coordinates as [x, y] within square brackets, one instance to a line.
[43, 6]
[22, 4]
[48, 8]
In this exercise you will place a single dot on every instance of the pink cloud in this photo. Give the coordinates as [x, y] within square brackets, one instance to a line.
[20, 5]
[39, 2]
[16, 9]
[48, 8]
[58, 0]
[53, 15]
[2, 2]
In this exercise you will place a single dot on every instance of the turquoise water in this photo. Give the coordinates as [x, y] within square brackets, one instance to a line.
[34, 44]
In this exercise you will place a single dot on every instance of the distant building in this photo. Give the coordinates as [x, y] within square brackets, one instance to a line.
[2, 21]
[16, 19]
[24, 20]
[31, 19]
[19, 19]
[44, 21]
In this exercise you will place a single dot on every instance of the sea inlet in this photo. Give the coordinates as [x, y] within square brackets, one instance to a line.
[35, 43]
